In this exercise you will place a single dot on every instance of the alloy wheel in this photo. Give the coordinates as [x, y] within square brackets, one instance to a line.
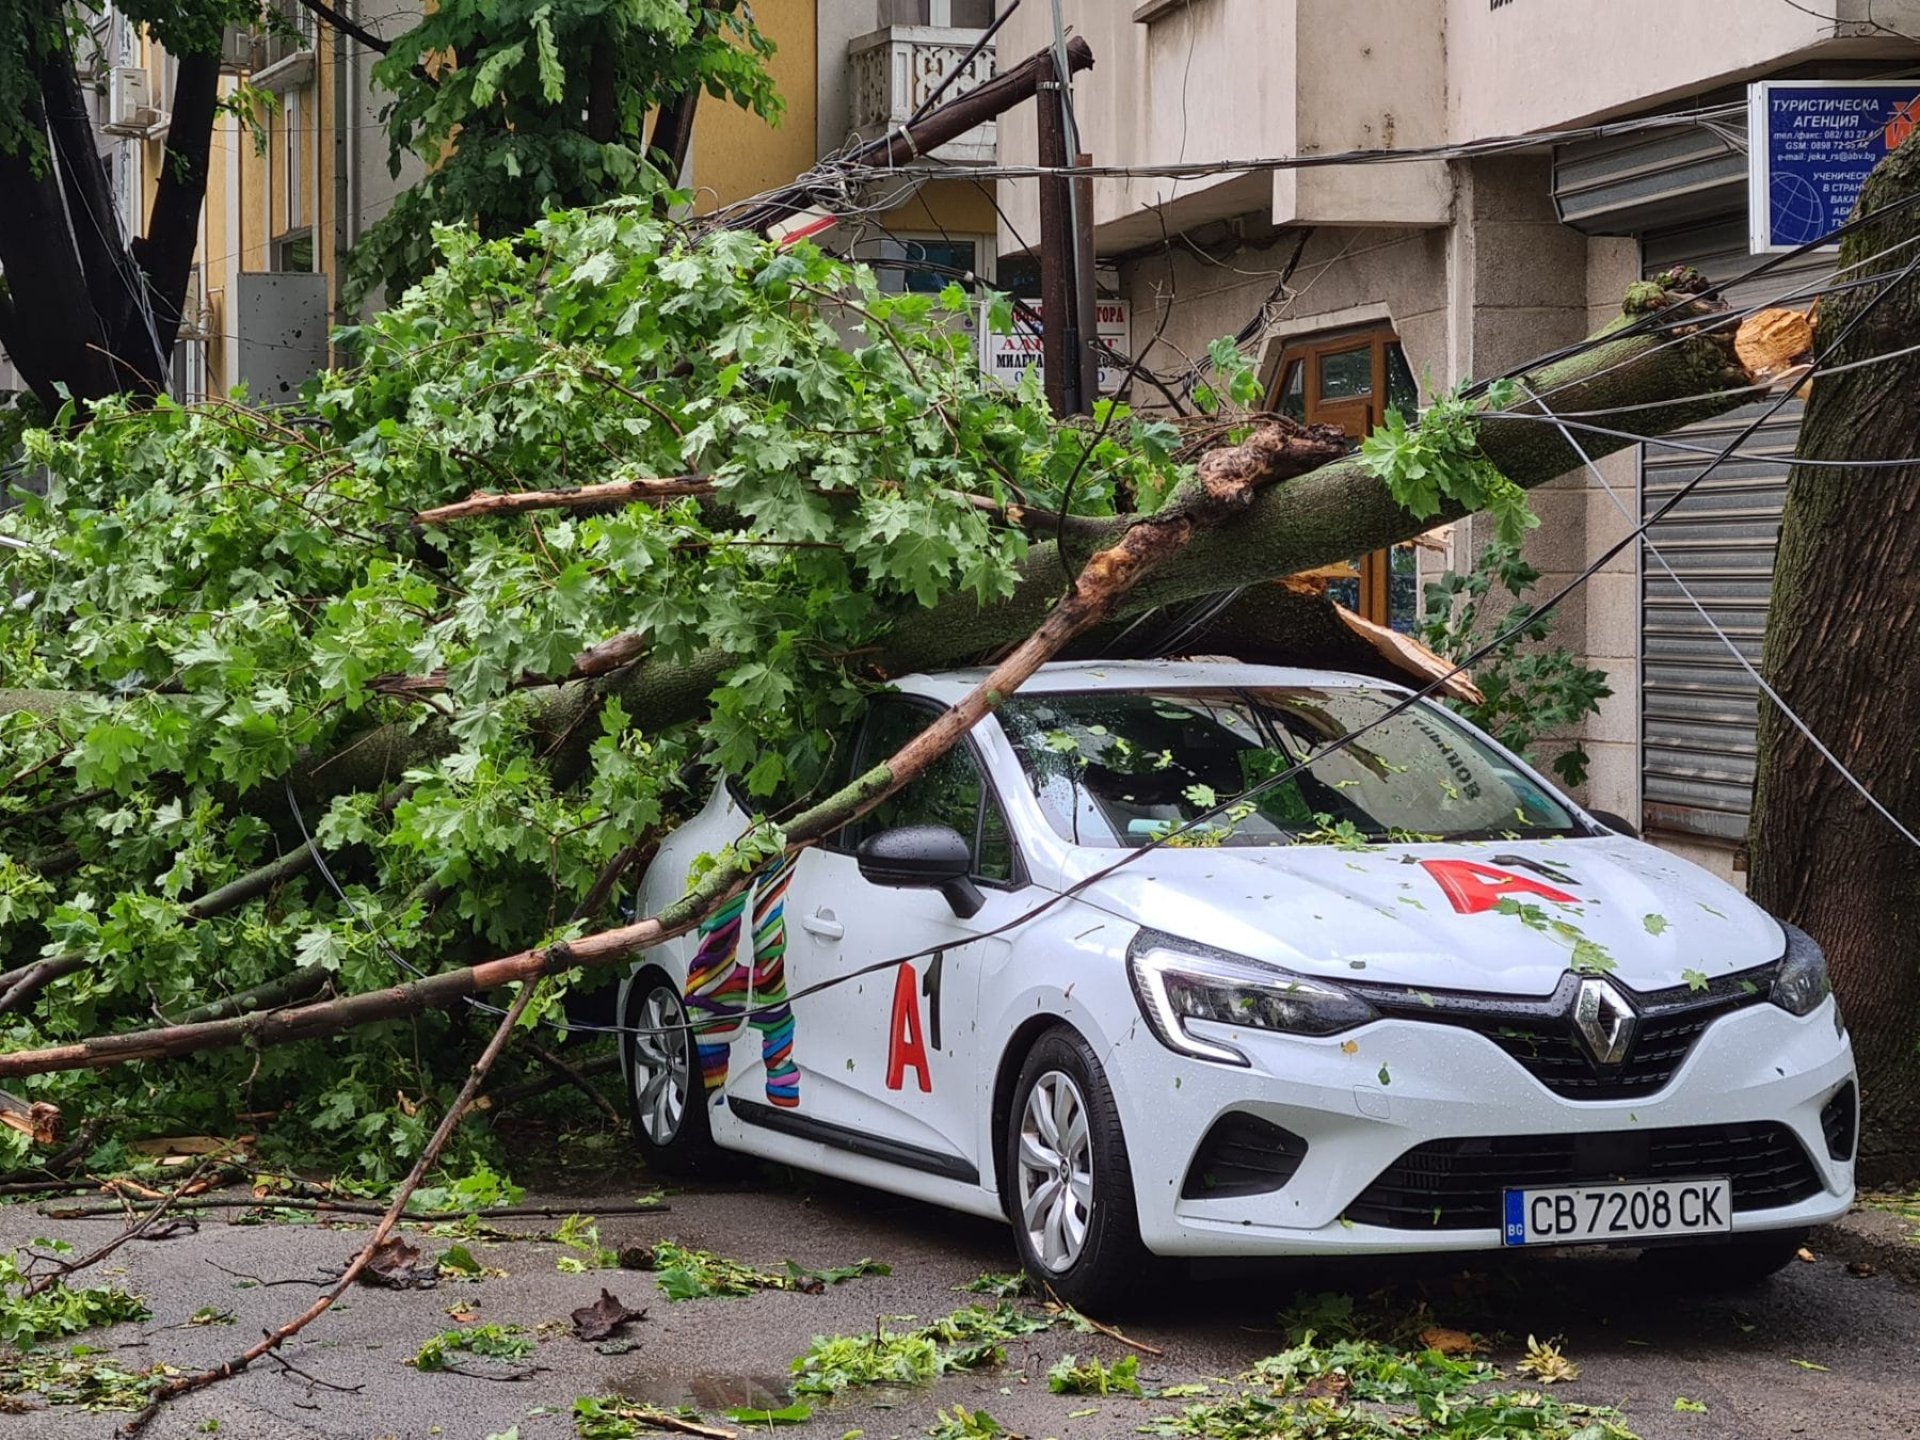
[662, 1074]
[1056, 1170]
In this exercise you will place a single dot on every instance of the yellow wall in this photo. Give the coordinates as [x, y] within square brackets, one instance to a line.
[957, 207]
[735, 153]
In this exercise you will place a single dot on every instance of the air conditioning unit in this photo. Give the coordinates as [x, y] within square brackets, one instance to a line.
[240, 49]
[130, 108]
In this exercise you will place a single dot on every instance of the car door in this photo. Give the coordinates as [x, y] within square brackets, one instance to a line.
[889, 1058]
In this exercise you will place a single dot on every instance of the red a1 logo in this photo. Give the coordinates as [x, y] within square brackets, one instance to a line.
[1471, 888]
[906, 1041]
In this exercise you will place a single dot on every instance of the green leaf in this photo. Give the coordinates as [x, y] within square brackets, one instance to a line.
[798, 1413]
[553, 76]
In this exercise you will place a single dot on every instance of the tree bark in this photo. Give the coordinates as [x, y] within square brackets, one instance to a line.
[1840, 650]
[82, 307]
[166, 252]
[52, 337]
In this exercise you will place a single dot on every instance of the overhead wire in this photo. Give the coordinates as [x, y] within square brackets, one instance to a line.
[1753, 673]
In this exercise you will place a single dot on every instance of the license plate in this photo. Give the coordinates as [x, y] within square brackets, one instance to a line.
[1584, 1214]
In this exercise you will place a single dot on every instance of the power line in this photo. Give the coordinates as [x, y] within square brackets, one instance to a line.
[1707, 117]
[1733, 647]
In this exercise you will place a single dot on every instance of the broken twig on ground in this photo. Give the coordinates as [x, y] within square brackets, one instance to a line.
[186, 1384]
[62, 1269]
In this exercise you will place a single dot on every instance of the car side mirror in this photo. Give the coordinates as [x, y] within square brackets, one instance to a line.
[1615, 823]
[923, 857]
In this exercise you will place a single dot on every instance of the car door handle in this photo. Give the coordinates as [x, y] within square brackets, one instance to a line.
[822, 923]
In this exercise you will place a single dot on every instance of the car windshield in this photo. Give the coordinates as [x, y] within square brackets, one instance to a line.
[1126, 767]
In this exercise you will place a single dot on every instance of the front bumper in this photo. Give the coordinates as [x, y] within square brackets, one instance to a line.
[1363, 1100]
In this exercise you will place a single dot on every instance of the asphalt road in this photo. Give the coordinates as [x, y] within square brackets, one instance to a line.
[1748, 1360]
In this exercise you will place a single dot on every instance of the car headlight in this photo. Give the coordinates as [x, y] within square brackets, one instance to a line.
[1178, 982]
[1801, 983]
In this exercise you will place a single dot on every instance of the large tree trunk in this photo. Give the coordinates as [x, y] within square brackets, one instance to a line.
[81, 308]
[1329, 515]
[1841, 651]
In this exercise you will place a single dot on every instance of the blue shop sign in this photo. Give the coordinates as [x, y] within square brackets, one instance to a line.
[1812, 144]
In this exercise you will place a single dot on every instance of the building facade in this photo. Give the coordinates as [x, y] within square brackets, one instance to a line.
[1353, 285]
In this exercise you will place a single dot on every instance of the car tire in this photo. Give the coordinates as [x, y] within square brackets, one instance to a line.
[1736, 1264]
[666, 1101]
[1079, 1238]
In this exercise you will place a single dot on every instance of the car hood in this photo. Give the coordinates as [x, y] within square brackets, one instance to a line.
[1430, 916]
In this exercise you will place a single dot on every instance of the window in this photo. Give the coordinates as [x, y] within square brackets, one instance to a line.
[294, 252]
[1351, 379]
[954, 793]
[1121, 768]
[960, 14]
[290, 132]
[925, 266]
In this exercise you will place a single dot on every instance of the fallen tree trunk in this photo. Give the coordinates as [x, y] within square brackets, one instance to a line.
[1226, 484]
[1637, 384]
[1333, 514]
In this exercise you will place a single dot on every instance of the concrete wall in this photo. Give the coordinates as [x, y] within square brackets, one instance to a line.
[1368, 76]
[1202, 80]
[840, 22]
[1537, 64]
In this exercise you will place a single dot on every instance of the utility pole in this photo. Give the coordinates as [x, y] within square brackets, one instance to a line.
[1061, 345]
[918, 138]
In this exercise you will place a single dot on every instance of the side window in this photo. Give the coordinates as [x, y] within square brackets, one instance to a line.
[954, 793]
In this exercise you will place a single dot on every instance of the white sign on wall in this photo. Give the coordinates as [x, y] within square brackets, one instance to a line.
[1006, 355]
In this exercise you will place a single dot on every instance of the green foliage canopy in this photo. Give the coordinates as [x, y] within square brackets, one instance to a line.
[518, 108]
[234, 592]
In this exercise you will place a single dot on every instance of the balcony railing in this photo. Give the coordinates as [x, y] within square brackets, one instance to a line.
[896, 70]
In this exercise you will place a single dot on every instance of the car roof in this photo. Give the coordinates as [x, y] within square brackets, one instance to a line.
[1072, 675]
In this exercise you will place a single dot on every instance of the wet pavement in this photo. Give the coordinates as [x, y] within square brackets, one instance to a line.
[1820, 1351]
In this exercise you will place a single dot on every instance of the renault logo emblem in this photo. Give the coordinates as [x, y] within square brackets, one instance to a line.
[1604, 1020]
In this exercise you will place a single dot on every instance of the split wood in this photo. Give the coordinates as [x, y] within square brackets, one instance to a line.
[273, 1339]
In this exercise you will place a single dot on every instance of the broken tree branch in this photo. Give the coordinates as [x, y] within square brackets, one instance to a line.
[1224, 486]
[357, 1207]
[610, 496]
[527, 1090]
[132, 1232]
[570, 1076]
[186, 1384]
[663, 1420]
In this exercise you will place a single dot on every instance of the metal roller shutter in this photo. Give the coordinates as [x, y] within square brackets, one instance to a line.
[1698, 709]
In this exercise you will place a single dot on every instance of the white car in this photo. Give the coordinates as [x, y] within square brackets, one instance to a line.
[1410, 999]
